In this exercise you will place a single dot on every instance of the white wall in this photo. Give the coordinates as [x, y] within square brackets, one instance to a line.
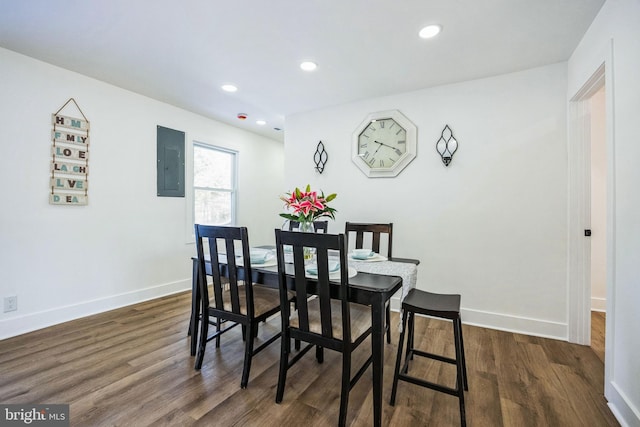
[491, 226]
[614, 34]
[128, 244]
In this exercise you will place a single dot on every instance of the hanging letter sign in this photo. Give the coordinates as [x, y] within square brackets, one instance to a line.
[69, 180]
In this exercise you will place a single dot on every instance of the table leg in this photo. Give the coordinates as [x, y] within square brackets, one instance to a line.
[377, 348]
[195, 308]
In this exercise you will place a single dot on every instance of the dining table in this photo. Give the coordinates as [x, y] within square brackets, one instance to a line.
[374, 284]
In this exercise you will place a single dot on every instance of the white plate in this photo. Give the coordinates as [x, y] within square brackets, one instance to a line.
[373, 258]
[335, 275]
[268, 263]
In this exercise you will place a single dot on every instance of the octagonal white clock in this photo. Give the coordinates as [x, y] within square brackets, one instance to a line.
[384, 144]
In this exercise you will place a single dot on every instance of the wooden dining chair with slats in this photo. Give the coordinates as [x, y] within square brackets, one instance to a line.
[371, 235]
[318, 226]
[236, 301]
[325, 318]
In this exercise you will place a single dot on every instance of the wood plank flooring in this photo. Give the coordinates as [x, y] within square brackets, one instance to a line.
[131, 367]
[598, 322]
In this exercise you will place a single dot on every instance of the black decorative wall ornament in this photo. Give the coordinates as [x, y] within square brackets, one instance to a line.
[446, 145]
[320, 157]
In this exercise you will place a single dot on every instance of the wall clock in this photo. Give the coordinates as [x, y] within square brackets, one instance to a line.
[384, 144]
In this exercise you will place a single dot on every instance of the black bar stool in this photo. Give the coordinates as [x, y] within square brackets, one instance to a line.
[434, 305]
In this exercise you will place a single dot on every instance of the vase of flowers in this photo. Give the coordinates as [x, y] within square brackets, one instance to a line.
[306, 227]
[307, 206]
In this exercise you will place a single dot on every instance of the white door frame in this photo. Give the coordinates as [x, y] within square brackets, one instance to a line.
[579, 209]
[579, 152]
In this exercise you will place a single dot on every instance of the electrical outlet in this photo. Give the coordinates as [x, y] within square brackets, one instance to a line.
[10, 304]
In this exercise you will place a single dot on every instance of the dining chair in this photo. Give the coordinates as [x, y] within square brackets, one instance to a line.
[234, 301]
[371, 234]
[318, 226]
[325, 318]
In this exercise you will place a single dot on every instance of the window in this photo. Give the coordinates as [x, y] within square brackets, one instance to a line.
[214, 185]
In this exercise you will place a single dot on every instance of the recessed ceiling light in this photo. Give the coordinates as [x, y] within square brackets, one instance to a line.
[229, 88]
[308, 66]
[430, 31]
[261, 122]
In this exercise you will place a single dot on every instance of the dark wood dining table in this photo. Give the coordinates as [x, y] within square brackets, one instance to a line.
[365, 288]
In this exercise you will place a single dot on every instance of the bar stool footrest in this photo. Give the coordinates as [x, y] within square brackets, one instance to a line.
[438, 357]
[408, 378]
[429, 384]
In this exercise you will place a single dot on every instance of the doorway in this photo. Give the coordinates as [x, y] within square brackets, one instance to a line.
[580, 209]
[598, 196]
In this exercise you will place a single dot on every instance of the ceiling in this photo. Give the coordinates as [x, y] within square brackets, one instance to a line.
[181, 52]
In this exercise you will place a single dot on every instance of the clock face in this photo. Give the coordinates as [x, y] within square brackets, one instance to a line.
[384, 144]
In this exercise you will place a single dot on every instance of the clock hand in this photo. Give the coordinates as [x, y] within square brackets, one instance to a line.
[398, 152]
[382, 143]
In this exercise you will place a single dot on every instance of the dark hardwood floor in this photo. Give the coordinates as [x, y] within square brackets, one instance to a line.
[598, 321]
[131, 367]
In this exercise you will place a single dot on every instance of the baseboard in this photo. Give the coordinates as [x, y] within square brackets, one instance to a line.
[504, 322]
[395, 302]
[621, 407]
[598, 304]
[22, 324]
[19, 325]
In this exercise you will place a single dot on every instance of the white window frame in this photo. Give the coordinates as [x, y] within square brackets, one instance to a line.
[190, 189]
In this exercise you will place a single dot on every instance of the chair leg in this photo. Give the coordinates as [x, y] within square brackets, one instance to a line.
[195, 310]
[396, 372]
[248, 353]
[409, 351]
[284, 361]
[388, 323]
[460, 374]
[319, 354]
[194, 322]
[464, 362]
[202, 342]
[218, 322]
[193, 333]
[344, 392]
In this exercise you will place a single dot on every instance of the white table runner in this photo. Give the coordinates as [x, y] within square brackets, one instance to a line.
[407, 270]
